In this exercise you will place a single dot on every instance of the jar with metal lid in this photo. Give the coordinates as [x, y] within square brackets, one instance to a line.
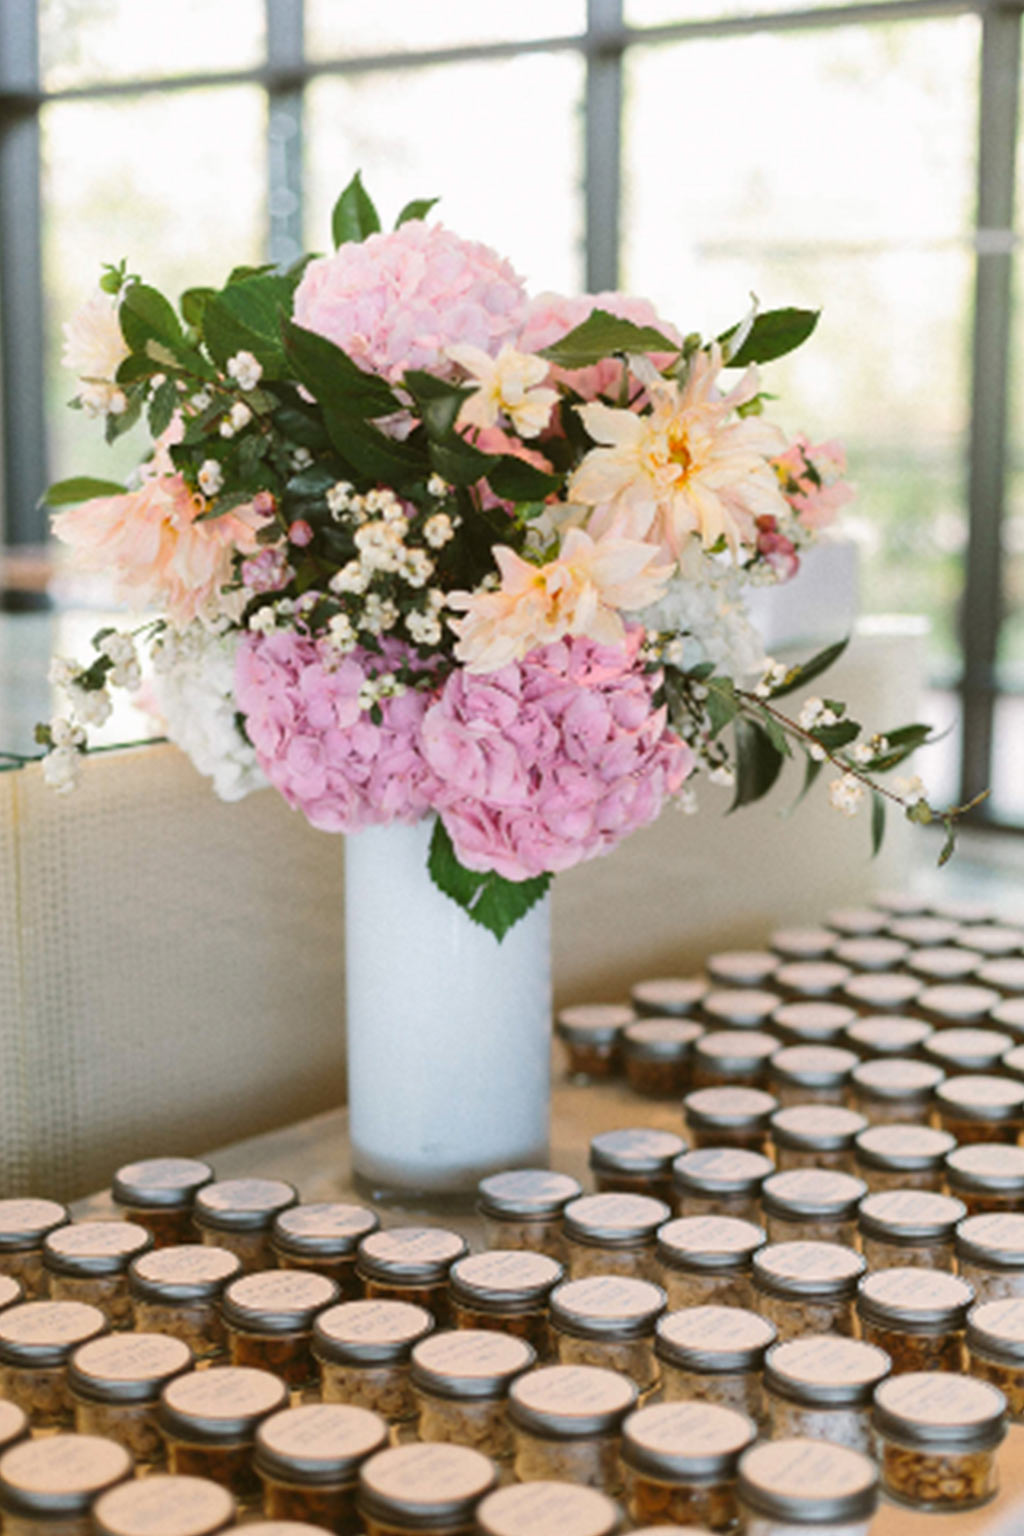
[882, 991]
[506, 1289]
[410, 1264]
[613, 1235]
[715, 1354]
[37, 1339]
[729, 1117]
[856, 922]
[24, 1225]
[807, 1287]
[959, 1005]
[938, 1436]
[590, 1034]
[887, 1034]
[990, 1254]
[807, 943]
[88, 1261]
[636, 1161]
[363, 1349]
[942, 963]
[739, 1007]
[566, 1420]
[811, 978]
[209, 1420]
[708, 1259]
[48, 1487]
[523, 1209]
[324, 1237]
[308, 1459]
[671, 996]
[727, 1181]
[923, 931]
[11, 1292]
[981, 1106]
[871, 952]
[177, 1291]
[806, 1487]
[158, 1194]
[1006, 977]
[902, 1156]
[917, 1316]
[460, 1379]
[995, 1349]
[816, 1136]
[239, 1214]
[724, 1057]
[741, 967]
[679, 1461]
[810, 1074]
[812, 1204]
[608, 1320]
[115, 1384]
[823, 1386]
[164, 1505]
[414, 1488]
[657, 1055]
[269, 1320]
[903, 1228]
[991, 939]
[892, 1089]
[812, 1023]
[987, 1176]
[548, 1509]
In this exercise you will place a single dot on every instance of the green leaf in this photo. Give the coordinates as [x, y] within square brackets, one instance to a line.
[117, 426]
[799, 677]
[949, 846]
[515, 480]
[811, 772]
[877, 822]
[162, 407]
[601, 335]
[354, 215]
[333, 378]
[772, 335]
[246, 317]
[372, 453]
[833, 737]
[773, 730]
[437, 402]
[193, 302]
[721, 704]
[417, 209]
[758, 763]
[488, 899]
[150, 326]
[68, 493]
[459, 462]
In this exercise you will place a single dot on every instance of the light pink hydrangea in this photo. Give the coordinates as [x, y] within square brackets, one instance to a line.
[552, 315]
[318, 746]
[552, 760]
[396, 301]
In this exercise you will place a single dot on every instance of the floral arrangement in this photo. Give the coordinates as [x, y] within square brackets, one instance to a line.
[418, 544]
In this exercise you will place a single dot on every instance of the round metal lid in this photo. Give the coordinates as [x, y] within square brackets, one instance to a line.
[910, 1216]
[940, 1410]
[998, 1328]
[675, 995]
[826, 1370]
[25, 1222]
[571, 1401]
[886, 1034]
[222, 1404]
[527, 1194]
[186, 1272]
[713, 1340]
[962, 910]
[808, 1269]
[896, 1077]
[914, 1299]
[370, 1332]
[922, 932]
[808, 1482]
[425, 1486]
[505, 1278]
[994, 1239]
[741, 967]
[596, 1022]
[856, 921]
[802, 943]
[616, 1220]
[871, 953]
[637, 1150]
[243, 1205]
[813, 1192]
[740, 1005]
[721, 1171]
[45, 1332]
[958, 1003]
[318, 1442]
[657, 1039]
[278, 1300]
[607, 1306]
[160, 1182]
[813, 1066]
[95, 1247]
[982, 1096]
[987, 1167]
[470, 1362]
[546, 1508]
[995, 939]
[163, 1504]
[692, 1440]
[816, 1127]
[411, 1255]
[903, 1148]
[884, 991]
[709, 1242]
[60, 1477]
[729, 1108]
[327, 1230]
[1006, 976]
[967, 1049]
[943, 962]
[736, 1050]
[13, 1423]
[127, 1367]
[813, 1023]
[812, 978]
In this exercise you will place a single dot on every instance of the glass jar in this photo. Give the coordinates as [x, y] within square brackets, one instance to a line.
[413, 1488]
[209, 1420]
[807, 943]
[800, 1485]
[729, 1117]
[363, 1349]
[239, 1214]
[924, 931]
[739, 1007]
[24, 1225]
[902, 1156]
[720, 1180]
[938, 1435]
[410, 1264]
[812, 1204]
[506, 1290]
[807, 1287]
[742, 967]
[613, 1235]
[115, 1384]
[708, 1259]
[811, 1023]
[669, 996]
[957, 1005]
[724, 1057]
[980, 1106]
[608, 1320]
[269, 1320]
[909, 1227]
[37, 1339]
[987, 1176]
[177, 1291]
[715, 1354]
[657, 1054]
[308, 1459]
[158, 1194]
[856, 922]
[547, 1509]
[811, 978]
[895, 1089]
[823, 1386]
[679, 1461]
[917, 1316]
[990, 1254]
[871, 952]
[324, 1238]
[1007, 978]
[637, 1161]
[810, 1074]
[523, 1209]
[47, 1487]
[882, 991]
[590, 1033]
[164, 1505]
[566, 1420]
[887, 1034]
[943, 964]
[995, 1349]
[460, 1380]
[816, 1136]
[88, 1261]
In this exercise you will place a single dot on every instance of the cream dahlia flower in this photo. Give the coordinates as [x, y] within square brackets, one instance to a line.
[507, 385]
[94, 350]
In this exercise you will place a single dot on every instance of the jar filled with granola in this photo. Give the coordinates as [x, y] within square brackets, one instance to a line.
[88, 1261]
[715, 1354]
[725, 1180]
[635, 1161]
[657, 1054]
[608, 1320]
[239, 1214]
[48, 1487]
[567, 1421]
[981, 1107]
[943, 965]
[739, 1007]
[815, 1136]
[742, 967]
[823, 1386]
[811, 1074]
[938, 1436]
[547, 1509]
[887, 1034]
[813, 1205]
[995, 1349]
[729, 1117]
[115, 1385]
[37, 1339]
[812, 1023]
[506, 1289]
[413, 1488]
[460, 1380]
[806, 1487]
[679, 1461]
[164, 1505]
[807, 943]
[871, 952]
[324, 1237]
[613, 1235]
[917, 1316]
[590, 1033]
[523, 1209]
[178, 1290]
[363, 1350]
[24, 1225]
[672, 996]
[269, 1320]
[990, 1254]
[882, 992]
[308, 1459]
[895, 1089]
[970, 1049]
[158, 1194]
[811, 978]
[902, 1156]
[987, 1176]
[908, 1227]
[708, 1259]
[410, 1264]
[733, 1056]
[209, 1420]
[807, 1287]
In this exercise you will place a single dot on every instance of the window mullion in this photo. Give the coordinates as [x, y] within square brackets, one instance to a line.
[603, 157]
[285, 61]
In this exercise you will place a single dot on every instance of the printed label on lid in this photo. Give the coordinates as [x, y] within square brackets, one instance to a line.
[530, 1186]
[281, 1290]
[740, 1003]
[807, 1469]
[245, 1195]
[944, 962]
[65, 1464]
[882, 991]
[413, 1246]
[940, 1397]
[729, 1103]
[806, 942]
[814, 1060]
[979, 1090]
[29, 1218]
[917, 1290]
[374, 1322]
[84, 1239]
[1000, 1231]
[164, 1173]
[824, 1359]
[472, 1352]
[814, 1120]
[666, 991]
[13, 1422]
[723, 1165]
[814, 1018]
[924, 930]
[985, 1160]
[1004, 1319]
[574, 1391]
[329, 1219]
[225, 1392]
[912, 1208]
[812, 975]
[690, 1428]
[548, 1509]
[328, 1431]
[871, 952]
[189, 1263]
[50, 1322]
[427, 1474]
[609, 1296]
[640, 1143]
[618, 1212]
[817, 1187]
[735, 964]
[133, 1357]
[711, 1328]
[584, 1016]
[897, 1075]
[166, 1505]
[711, 1234]
[958, 1002]
[506, 1271]
[741, 1044]
[1003, 973]
[906, 1141]
[679, 1032]
[805, 1261]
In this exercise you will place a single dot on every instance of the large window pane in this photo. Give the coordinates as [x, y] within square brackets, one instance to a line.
[84, 42]
[659, 13]
[343, 28]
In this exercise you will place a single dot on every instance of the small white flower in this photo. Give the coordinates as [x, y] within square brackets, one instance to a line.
[863, 752]
[210, 477]
[380, 545]
[340, 633]
[61, 769]
[93, 706]
[415, 567]
[435, 599]
[351, 578]
[811, 713]
[437, 486]
[200, 401]
[64, 733]
[686, 801]
[301, 458]
[388, 686]
[817, 753]
[62, 672]
[338, 497]
[437, 530]
[423, 628]
[723, 774]
[240, 415]
[847, 794]
[378, 614]
[911, 790]
[245, 369]
[264, 620]
[367, 695]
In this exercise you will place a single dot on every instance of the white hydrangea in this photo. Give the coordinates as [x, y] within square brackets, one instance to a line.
[92, 706]
[847, 794]
[61, 769]
[703, 604]
[194, 693]
[245, 369]
[423, 628]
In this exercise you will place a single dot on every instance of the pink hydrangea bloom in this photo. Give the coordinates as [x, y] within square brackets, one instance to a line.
[396, 301]
[315, 743]
[551, 315]
[552, 760]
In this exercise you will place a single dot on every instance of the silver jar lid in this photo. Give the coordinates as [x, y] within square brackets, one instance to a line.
[607, 1307]
[411, 1255]
[675, 995]
[914, 1300]
[90, 1248]
[243, 1205]
[812, 1066]
[370, 1332]
[713, 1340]
[637, 1150]
[812, 1023]
[656, 1039]
[318, 1443]
[13, 1424]
[721, 1171]
[807, 943]
[981, 1096]
[328, 1230]
[1005, 976]
[183, 1273]
[994, 939]
[25, 1222]
[820, 1193]
[127, 1367]
[571, 1402]
[800, 1481]
[278, 1300]
[888, 1034]
[994, 1240]
[221, 1405]
[985, 1167]
[505, 1279]
[742, 1007]
[470, 1362]
[44, 1333]
[735, 1051]
[527, 1194]
[940, 1411]
[425, 1487]
[595, 1023]
[701, 1243]
[816, 1127]
[58, 1478]
[896, 1077]
[882, 991]
[871, 952]
[962, 910]
[903, 1148]
[808, 1269]
[812, 978]
[997, 1328]
[924, 931]
[161, 1182]
[856, 922]
[164, 1504]
[910, 1216]
[957, 1004]
[943, 963]
[729, 1109]
[825, 1370]
[688, 1442]
[615, 1220]
[742, 967]
[547, 1508]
